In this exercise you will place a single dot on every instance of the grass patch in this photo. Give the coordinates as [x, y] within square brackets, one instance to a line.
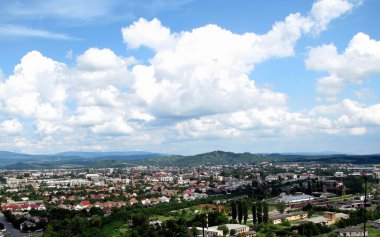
[162, 218]
[372, 232]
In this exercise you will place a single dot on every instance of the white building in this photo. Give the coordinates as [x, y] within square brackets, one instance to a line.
[296, 198]
[213, 230]
[352, 232]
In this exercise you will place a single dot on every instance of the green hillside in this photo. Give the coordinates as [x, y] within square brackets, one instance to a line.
[230, 158]
[211, 158]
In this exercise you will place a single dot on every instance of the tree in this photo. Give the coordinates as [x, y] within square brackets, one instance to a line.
[259, 213]
[139, 220]
[265, 213]
[269, 233]
[194, 230]
[254, 214]
[78, 225]
[224, 229]
[309, 191]
[280, 206]
[96, 221]
[240, 211]
[216, 218]
[233, 210]
[285, 222]
[96, 211]
[245, 211]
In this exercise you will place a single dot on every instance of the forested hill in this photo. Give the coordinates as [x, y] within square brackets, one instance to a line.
[84, 160]
[230, 158]
[211, 158]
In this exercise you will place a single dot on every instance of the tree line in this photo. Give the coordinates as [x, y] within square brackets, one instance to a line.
[240, 211]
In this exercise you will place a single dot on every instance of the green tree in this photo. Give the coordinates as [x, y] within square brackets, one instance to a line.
[280, 206]
[233, 210]
[139, 220]
[254, 214]
[224, 229]
[240, 211]
[216, 218]
[245, 211]
[78, 225]
[96, 221]
[259, 213]
[269, 233]
[309, 191]
[96, 211]
[265, 212]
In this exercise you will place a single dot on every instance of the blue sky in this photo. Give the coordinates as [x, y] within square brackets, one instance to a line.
[190, 76]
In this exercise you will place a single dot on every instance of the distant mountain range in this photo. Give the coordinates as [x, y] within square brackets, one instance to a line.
[105, 154]
[73, 159]
[230, 158]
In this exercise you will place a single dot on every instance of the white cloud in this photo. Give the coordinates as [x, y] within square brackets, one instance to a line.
[196, 85]
[350, 114]
[100, 97]
[95, 59]
[88, 116]
[83, 11]
[116, 126]
[205, 127]
[324, 11]
[11, 127]
[36, 89]
[205, 71]
[50, 128]
[99, 68]
[358, 131]
[22, 31]
[345, 118]
[66, 9]
[150, 34]
[360, 59]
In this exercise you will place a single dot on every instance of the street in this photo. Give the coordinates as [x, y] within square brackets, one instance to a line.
[13, 232]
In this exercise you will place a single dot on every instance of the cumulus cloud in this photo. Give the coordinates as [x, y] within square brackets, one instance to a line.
[324, 11]
[98, 68]
[49, 128]
[350, 114]
[205, 71]
[347, 117]
[360, 59]
[151, 34]
[36, 89]
[101, 97]
[11, 127]
[197, 84]
[115, 126]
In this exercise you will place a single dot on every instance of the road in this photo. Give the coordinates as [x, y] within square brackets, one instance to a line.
[13, 232]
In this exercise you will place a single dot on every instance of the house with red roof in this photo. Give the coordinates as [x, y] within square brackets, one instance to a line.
[188, 192]
[13, 207]
[133, 201]
[85, 204]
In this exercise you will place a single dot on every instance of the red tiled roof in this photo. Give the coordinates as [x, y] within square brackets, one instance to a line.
[85, 203]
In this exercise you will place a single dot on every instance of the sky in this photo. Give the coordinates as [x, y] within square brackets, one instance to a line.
[190, 76]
